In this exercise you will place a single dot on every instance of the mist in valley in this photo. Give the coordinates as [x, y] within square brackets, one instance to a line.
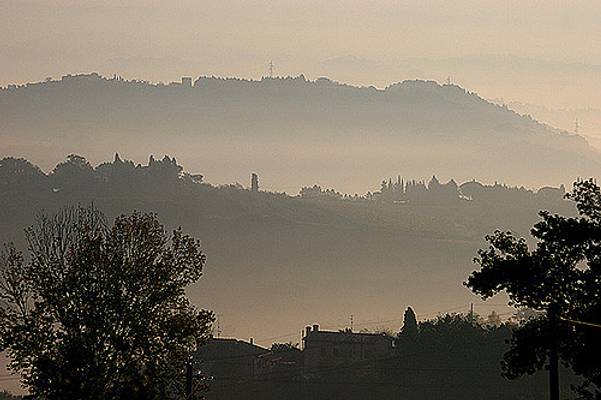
[383, 200]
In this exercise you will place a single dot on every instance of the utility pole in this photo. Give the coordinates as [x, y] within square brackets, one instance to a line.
[189, 376]
[553, 316]
[352, 320]
[271, 69]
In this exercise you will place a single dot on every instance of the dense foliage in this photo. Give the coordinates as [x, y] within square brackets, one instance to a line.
[560, 276]
[100, 312]
[4, 395]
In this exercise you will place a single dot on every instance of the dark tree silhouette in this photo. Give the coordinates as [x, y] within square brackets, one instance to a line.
[254, 182]
[75, 171]
[97, 312]
[18, 171]
[409, 328]
[284, 347]
[560, 276]
[4, 395]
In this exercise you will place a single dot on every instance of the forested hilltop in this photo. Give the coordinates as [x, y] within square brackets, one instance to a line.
[444, 208]
[328, 129]
[300, 250]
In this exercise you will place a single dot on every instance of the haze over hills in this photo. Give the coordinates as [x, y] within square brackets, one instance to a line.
[393, 199]
[586, 121]
[340, 135]
[316, 257]
[551, 83]
[277, 263]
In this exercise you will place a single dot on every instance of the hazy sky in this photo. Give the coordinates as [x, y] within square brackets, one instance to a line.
[159, 40]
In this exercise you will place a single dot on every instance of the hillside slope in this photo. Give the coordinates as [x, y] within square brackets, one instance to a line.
[276, 262]
[277, 126]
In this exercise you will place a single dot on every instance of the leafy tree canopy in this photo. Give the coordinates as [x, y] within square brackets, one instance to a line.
[100, 312]
[560, 276]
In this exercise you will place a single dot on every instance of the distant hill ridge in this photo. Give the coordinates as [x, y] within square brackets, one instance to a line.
[442, 124]
[408, 94]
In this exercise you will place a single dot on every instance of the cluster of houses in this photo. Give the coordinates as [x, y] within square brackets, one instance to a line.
[322, 352]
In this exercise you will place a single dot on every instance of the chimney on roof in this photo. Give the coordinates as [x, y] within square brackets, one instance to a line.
[315, 328]
[307, 331]
[251, 341]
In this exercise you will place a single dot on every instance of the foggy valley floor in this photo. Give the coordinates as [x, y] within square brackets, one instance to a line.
[277, 263]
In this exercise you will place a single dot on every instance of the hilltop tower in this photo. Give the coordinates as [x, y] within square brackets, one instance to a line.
[254, 182]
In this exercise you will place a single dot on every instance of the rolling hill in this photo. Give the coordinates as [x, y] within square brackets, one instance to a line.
[338, 134]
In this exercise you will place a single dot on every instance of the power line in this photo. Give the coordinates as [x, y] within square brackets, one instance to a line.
[282, 336]
[583, 323]
[461, 307]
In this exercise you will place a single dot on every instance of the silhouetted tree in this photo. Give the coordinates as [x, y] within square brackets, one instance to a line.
[409, 328]
[254, 182]
[19, 172]
[165, 171]
[97, 312]
[493, 319]
[4, 395]
[451, 353]
[284, 347]
[120, 174]
[75, 171]
[560, 276]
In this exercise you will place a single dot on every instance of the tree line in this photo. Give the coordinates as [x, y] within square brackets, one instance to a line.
[19, 174]
[96, 308]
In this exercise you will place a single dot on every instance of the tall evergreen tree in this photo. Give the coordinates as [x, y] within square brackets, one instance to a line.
[410, 327]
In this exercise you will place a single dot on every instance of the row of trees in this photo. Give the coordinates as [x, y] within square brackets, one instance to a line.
[77, 173]
[419, 191]
[455, 354]
[436, 192]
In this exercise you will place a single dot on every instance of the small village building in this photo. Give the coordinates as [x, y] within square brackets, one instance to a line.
[230, 359]
[282, 361]
[327, 348]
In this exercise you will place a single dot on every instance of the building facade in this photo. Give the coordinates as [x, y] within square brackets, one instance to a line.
[327, 348]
